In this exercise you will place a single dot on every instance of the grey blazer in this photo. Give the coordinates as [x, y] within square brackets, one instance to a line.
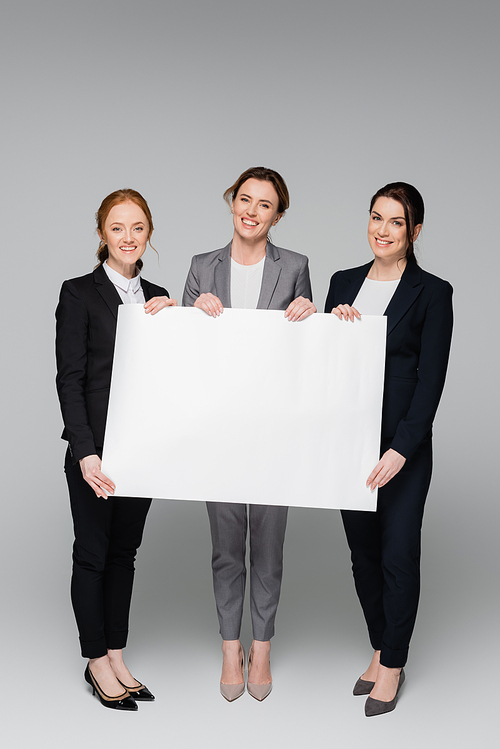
[285, 277]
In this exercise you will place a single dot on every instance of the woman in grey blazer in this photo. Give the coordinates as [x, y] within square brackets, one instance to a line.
[249, 273]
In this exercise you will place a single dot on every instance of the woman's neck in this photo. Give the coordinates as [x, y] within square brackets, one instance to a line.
[127, 271]
[247, 253]
[386, 271]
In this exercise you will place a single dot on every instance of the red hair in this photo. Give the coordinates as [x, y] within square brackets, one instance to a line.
[127, 195]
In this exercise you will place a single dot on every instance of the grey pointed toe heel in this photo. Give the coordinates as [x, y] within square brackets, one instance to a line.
[379, 707]
[363, 687]
[258, 691]
[231, 692]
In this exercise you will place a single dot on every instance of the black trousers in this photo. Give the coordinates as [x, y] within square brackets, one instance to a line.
[385, 553]
[108, 533]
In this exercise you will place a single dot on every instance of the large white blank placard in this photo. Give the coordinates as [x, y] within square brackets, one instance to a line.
[246, 407]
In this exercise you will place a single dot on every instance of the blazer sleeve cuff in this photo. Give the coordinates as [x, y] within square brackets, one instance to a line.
[82, 450]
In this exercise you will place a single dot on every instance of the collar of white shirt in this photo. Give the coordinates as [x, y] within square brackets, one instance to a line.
[126, 284]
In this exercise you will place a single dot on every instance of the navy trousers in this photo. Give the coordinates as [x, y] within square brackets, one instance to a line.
[385, 553]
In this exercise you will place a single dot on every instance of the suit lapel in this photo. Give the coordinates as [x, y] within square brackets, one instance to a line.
[110, 294]
[107, 291]
[407, 291]
[270, 276]
[222, 276]
[352, 281]
[146, 289]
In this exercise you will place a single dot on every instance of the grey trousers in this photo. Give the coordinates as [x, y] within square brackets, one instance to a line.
[228, 524]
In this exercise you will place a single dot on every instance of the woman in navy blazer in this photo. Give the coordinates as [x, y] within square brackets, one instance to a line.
[108, 529]
[250, 272]
[385, 545]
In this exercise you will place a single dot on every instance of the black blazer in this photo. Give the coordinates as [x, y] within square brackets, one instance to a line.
[419, 325]
[85, 340]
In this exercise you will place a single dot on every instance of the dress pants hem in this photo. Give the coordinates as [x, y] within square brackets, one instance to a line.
[229, 636]
[98, 648]
[376, 639]
[393, 658]
[95, 649]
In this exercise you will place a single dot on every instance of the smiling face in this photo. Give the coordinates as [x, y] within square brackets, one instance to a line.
[126, 232]
[255, 210]
[387, 230]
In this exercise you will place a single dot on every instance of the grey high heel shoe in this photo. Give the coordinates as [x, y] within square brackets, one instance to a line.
[363, 687]
[258, 691]
[379, 707]
[231, 692]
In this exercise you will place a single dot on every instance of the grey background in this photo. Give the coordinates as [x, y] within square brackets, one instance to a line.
[175, 99]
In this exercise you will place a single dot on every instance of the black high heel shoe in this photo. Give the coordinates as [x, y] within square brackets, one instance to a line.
[140, 693]
[121, 702]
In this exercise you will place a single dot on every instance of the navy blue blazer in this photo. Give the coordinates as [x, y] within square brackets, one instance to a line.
[85, 341]
[419, 326]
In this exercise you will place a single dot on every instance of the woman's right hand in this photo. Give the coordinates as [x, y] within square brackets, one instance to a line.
[210, 304]
[346, 312]
[154, 305]
[91, 472]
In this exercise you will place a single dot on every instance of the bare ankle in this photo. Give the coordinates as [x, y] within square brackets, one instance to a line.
[231, 646]
[100, 662]
[115, 656]
[261, 646]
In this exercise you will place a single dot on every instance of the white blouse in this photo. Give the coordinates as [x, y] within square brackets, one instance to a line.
[246, 281]
[374, 296]
[129, 289]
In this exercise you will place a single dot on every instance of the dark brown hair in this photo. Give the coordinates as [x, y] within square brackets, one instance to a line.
[118, 197]
[413, 206]
[264, 175]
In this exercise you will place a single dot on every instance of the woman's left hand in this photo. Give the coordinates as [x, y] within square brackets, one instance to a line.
[388, 466]
[299, 309]
[156, 303]
[346, 312]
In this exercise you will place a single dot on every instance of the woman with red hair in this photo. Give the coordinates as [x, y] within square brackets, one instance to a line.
[108, 529]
